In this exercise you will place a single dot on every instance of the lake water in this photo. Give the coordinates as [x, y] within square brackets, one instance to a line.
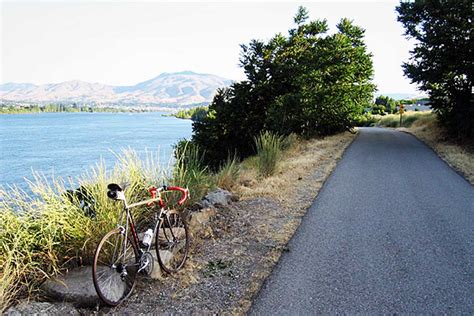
[68, 144]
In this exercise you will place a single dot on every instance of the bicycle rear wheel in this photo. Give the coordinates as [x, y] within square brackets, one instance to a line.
[172, 242]
[114, 270]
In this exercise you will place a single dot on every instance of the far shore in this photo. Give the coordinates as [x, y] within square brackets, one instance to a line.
[38, 109]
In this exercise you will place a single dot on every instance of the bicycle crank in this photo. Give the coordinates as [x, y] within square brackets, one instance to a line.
[146, 263]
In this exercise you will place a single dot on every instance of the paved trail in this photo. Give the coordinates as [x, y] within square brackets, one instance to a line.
[391, 231]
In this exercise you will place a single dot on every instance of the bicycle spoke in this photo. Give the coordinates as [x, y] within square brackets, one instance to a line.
[172, 243]
[115, 284]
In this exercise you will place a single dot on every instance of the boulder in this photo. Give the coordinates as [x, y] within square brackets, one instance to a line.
[75, 286]
[166, 257]
[202, 217]
[216, 198]
[199, 222]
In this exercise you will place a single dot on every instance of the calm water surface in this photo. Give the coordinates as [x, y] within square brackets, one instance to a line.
[68, 144]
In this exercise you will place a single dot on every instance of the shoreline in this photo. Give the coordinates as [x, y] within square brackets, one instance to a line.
[93, 110]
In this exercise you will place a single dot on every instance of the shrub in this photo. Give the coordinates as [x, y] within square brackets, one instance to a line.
[392, 120]
[289, 141]
[45, 230]
[307, 82]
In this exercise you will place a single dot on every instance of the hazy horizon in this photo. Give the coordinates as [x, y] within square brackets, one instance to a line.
[123, 43]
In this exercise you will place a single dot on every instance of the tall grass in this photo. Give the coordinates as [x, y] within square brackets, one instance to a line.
[269, 147]
[393, 120]
[43, 232]
[228, 173]
[190, 171]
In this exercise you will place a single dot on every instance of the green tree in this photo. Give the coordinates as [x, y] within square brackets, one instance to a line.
[307, 82]
[441, 62]
[389, 104]
[327, 80]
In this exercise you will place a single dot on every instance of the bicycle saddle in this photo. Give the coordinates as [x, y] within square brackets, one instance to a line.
[118, 187]
[113, 188]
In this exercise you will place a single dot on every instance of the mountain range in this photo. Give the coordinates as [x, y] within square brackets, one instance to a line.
[167, 89]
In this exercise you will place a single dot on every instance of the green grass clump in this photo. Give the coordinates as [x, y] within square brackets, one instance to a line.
[190, 172]
[288, 142]
[228, 173]
[269, 147]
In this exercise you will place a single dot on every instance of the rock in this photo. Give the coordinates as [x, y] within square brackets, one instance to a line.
[199, 222]
[217, 197]
[76, 286]
[42, 308]
[166, 257]
[201, 218]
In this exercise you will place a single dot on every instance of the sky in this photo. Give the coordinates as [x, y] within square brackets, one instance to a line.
[123, 43]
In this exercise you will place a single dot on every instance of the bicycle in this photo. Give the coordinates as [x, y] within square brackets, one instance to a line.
[120, 256]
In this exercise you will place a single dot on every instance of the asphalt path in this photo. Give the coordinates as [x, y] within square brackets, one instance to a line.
[391, 231]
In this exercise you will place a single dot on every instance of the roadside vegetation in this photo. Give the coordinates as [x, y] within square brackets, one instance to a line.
[441, 60]
[408, 118]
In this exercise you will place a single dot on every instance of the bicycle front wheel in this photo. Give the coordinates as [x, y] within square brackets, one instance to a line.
[115, 267]
[172, 242]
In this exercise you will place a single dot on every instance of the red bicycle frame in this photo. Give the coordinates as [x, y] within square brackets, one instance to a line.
[154, 198]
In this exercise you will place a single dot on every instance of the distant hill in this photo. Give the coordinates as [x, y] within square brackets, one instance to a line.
[180, 88]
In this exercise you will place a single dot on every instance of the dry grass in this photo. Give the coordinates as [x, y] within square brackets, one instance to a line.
[311, 160]
[458, 156]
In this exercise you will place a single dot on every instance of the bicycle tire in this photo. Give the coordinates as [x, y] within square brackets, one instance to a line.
[172, 242]
[111, 286]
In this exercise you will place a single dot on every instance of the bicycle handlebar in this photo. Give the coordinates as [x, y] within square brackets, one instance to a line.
[184, 192]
